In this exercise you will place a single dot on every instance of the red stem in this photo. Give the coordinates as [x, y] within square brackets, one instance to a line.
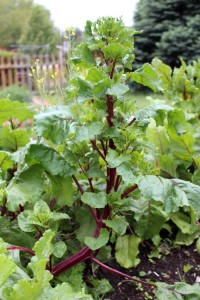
[131, 189]
[104, 148]
[77, 258]
[117, 183]
[131, 122]
[113, 69]
[96, 261]
[97, 149]
[52, 203]
[81, 190]
[91, 185]
[11, 248]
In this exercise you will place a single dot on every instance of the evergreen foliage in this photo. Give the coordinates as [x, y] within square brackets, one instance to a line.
[170, 31]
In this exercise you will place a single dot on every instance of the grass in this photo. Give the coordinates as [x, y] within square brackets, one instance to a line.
[143, 99]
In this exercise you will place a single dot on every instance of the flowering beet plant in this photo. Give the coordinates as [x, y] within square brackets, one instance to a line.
[87, 177]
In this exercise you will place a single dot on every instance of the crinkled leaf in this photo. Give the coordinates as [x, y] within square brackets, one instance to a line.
[118, 224]
[95, 75]
[118, 89]
[7, 268]
[43, 247]
[114, 51]
[147, 76]
[157, 111]
[27, 187]
[42, 211]
[96, 243]
[100, 287]
[64, 292]
[114, 159]
[87, 132]
[31, 288]
[163, 190]
[85, 90]
[126, 250]
[51, 160]
[96, 200]
[184, 291]
[127, 172]
[52, 124]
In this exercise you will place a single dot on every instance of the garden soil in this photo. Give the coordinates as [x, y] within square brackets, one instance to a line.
[169, 269]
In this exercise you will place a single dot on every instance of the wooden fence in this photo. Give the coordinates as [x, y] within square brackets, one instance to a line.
[17, 69]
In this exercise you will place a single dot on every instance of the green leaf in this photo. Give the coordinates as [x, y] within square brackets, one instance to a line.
[158, 136]
[25, 223]
[118, 224]
[83, 216]
[100, 287]
[184, 291]
[30, 288]
[167, 165]
[51, 160]
[58, 249]
[164, 72]
[85, 90]
[5, 160]
[157, 111]
[96, 243]
[12, 234]
[126, 251]
[87, 132]
[42, 211]
[147, 76]
[43, 247]
[7, 268]
[127, 172]
[27, 187]
[87, 55]
[118, 89]
[150, 218]
[14, 110]
[164, 190]
[96, 75]
[96, 200]
[65, 290]
[52, 124]
[114, 159]
[62, 190]
[198, 246]
[183, 222]
[114, 51]
[11, 140]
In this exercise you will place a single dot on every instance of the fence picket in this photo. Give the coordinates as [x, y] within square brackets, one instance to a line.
[16, 70]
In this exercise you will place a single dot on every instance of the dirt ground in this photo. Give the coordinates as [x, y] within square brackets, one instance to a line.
[169, 269]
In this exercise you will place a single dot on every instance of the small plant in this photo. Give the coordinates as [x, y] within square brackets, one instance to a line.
[16, 93]
[89, 172]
